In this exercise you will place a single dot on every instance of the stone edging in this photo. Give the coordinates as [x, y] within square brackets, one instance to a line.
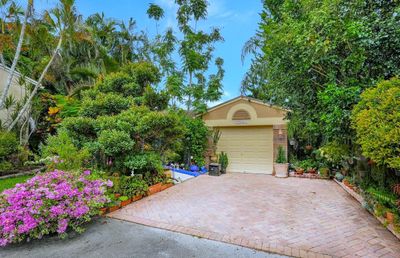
[30, 172]
[360, 199]
[229, 239]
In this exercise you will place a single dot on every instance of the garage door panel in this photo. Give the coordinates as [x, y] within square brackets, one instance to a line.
[249, 149]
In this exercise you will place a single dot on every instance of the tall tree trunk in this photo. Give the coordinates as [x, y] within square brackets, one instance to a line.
[39, 83]
[16, 57]
[189, 103]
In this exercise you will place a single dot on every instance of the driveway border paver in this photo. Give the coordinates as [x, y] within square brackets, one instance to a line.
[229, 239]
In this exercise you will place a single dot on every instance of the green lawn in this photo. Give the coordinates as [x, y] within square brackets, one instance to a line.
[11, 182]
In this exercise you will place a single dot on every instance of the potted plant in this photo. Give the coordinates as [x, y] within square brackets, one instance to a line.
[114, 205]
[281, 166]
[103, 210]
[389, 215]
[125, 200]
[223, 161]
[297, 168]
[154, 188]
[324, 172]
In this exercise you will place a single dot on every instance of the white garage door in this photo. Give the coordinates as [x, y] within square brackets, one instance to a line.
[249, 149]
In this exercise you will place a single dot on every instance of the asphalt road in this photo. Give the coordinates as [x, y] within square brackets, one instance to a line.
[114, 238]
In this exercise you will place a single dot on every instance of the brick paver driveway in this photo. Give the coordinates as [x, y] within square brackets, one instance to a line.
[292, 216]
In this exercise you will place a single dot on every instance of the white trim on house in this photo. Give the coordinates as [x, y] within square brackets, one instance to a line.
[244, 98]
[17, 74]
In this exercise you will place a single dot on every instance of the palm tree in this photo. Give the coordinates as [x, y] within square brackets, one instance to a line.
[60, 19]
[16, 56]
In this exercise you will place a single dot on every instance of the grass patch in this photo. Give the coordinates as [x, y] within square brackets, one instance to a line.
[11, 182]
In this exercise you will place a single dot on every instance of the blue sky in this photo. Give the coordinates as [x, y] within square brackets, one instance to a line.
[237, 19]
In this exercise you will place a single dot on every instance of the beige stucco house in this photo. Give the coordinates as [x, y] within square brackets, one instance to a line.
[17, 89]
[251, 132]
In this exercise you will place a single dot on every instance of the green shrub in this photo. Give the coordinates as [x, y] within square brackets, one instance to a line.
[324, 172]
[65, 155]
[376, 120]
[334, 153]
[223, 160]
[114, 142]
[105, 104]
[195, 140]
[8, 143]
[384, 198]
[307, 164]
[133, 186]
[119, 82]
[144, 162]
[5, 165]
[281, 156]
[80, 129]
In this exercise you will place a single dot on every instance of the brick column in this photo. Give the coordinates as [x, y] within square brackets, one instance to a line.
[280, 138]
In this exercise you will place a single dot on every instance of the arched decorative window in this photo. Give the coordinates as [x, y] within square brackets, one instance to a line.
[241, 114]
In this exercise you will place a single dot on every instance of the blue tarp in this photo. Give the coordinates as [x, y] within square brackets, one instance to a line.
[186, 172]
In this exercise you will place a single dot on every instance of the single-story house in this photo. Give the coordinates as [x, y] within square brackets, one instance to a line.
[250, 133]
[18, 89]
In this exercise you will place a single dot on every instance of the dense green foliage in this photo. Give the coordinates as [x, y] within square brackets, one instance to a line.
[113, 133]
[376, 120]
[12, 155]
[195, 140]
[315, 57]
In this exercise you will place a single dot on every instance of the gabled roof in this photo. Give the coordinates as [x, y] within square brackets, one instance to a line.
[245, 98]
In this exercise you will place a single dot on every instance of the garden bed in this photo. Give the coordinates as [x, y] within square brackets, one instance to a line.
[307, 175]
[152, 190]
[361, 200]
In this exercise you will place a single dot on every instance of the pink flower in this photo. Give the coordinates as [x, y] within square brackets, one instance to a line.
[86, 172]
[48, 203]
[62, 226]
[109, 183]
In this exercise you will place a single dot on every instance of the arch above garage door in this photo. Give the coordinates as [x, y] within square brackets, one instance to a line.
[251, 132]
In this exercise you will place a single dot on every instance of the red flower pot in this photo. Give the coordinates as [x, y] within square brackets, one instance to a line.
[154, 188]
[114, 208]
[166, 186]
[389, 217]
[103, 210]
[124, 203]
[136, 198]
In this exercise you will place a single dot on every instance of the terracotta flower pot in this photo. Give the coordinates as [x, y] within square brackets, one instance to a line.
[299, 171]
[137, 198]
[155, 188]
[311, 171]
[117, 195]
[103, 210]
[389, 217]
[309, 147]
[166, 186]
[281, 170]
[114, 208]
[124, 203]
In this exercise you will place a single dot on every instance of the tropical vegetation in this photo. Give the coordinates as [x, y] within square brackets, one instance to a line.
[334, 64]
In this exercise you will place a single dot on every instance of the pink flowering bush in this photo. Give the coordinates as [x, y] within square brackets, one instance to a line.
[49, 203]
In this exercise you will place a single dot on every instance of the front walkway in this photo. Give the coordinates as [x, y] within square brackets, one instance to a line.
[298, 217]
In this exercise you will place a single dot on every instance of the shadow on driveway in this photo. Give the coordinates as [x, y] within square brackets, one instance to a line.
[114, 238]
